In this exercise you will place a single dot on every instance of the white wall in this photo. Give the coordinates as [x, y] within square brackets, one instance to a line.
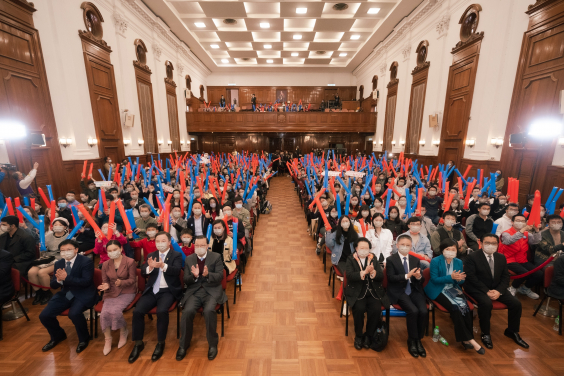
[274, 78]
[503, 23]
[58, 22]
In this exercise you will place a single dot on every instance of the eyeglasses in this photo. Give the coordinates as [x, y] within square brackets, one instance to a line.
[494, 244]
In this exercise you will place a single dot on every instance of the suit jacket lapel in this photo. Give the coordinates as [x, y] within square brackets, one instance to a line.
[76, 265]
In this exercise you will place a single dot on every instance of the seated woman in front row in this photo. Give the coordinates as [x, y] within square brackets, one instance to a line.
[222, 244]
[445, 287]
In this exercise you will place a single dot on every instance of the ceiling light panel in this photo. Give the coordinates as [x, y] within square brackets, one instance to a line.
[262, 10]
[299, 24]
[328, 36]
[266, 36]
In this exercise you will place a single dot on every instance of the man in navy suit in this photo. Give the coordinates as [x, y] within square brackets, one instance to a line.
[74, 274]
[162, 289]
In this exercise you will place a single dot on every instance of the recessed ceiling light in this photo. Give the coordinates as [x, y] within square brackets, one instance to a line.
[225, 61]
[355, 36]
[270, 61]
[330, 84]
[268, 46]
[343, 54]
[297, 36]
[200, 24]
[373, 10]
[231, 84]
[214, 46]
[301, 10]
[264, 25]
[295, 54]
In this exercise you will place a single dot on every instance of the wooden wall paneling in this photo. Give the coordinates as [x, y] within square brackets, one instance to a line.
[145, 99]
[391, 101]
[172, 108]
[25, 98]
[417, 99]
[538, 83]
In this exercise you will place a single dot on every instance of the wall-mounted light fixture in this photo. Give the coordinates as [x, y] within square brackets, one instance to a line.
[92, 141]
[422, 142]
[126, 142]
[188, 142]
[497, 142]
[381, 142]
[470, 143]
[140, 141]
[181, 142]
[64, 142]
[436, 142]
[169, 142]
[160, 142]
[393, 143]
[402, 142]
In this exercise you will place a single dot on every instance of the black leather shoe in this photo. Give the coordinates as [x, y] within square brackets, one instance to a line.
[38, 297]
[180, 354]
[52, 344]
[81, 346]
[135, 352]
[420, 349]
[487, 341]
[366, 342]
[212, 352]
[412, 348]
[159, 349]
[45, 297]
[517, 338]
[467, 346]
[358, 343]
[482, 351]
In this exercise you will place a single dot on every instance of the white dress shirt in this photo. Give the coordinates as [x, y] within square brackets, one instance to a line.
[163, 284]
[198, 226]
[72, 264]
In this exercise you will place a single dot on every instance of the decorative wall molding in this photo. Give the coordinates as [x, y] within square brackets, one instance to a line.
[406, 51]
[157, 50]
[180, 69]
[442, 26]
[121, 24]
[383, 69]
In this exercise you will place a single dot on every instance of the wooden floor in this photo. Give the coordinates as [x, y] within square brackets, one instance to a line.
[285, 323]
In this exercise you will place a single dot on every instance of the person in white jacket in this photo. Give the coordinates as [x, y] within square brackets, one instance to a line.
[23, 183]
[504, 223]
[381, 238]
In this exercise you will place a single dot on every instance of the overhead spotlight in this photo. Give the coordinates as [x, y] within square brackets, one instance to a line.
[11, 130]
[264, 25]
[200, 24]
[301, 10]
[297, 36]
[225, 61]
[268, 46]
[343, 54]
[373, 10]
[355, 37]
[214, 46]
[546, 128]
[295, 54]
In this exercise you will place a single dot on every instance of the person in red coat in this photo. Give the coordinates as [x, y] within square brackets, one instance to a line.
[187, 238]
[148, 244]
[514, 245]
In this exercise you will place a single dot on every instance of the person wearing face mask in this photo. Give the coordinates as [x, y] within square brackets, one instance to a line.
[420, 244]
[428, 228]
[499, 206]
[178, 223]
[119, 276]
[175, 201]
[186, 237]
[222, 245]
[145, 219]
[243, 216]
[380, 238]
[163, 287]
[133, 203]
[432, 204]
[108, 165]
[203, 274]
[321, 230]
[364, 292]
[515, 244]
[85, 236]
[102, 241]
[364, 214]
[405, 288]
[104, 216]
[447, 231]
[552, 240]
[227, 216]
[478, 225]
[214, 210]
[400, 186]
[148, 244]
[393, 223]
[85, 200]
[504, 223]
[89, 188]
[71, 199]
[499, 181]
[198, 222]
[487, 280]
[74, 274]
[19, 242]
[354, 206]
[379, 206]
[445, 287]
[39, 274]
[482, 199]
[341, 243]
[63, 211]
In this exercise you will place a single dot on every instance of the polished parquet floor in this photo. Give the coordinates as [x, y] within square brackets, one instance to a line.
[285, 323]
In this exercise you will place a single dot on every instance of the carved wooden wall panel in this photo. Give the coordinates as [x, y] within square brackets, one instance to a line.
[417, 99]
[389, 120]
[145, 99]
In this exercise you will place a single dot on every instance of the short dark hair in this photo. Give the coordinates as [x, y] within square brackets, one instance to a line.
[68, 241]
[484, 204]
[414, 219]
[201, 237]
[71, 192]
[164, 233]
[237, 199]
[448, 213]
[517, 215]
[152, 225]
[187, 231]
[114, 242]
[404, 236]
[489, 236]
[62, 199]
[363, 239]
[448, 242]
[513, 205]
[11, 220]
[554, 216]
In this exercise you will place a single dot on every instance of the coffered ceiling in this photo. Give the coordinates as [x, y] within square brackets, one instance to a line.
[229, 35]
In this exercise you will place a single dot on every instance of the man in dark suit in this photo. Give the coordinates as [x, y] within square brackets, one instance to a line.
[198, 222]
[74, 273]
[254, 102]
[19, 242]
[222, 102]
[6, 285]
[163, 287]
[405, 287]
[487, 280]
[203, 274]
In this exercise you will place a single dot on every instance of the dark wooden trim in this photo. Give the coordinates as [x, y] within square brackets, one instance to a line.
[143, 76]
[419, 77]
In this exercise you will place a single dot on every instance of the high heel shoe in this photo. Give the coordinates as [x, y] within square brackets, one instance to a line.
[108, 346]
[122, 337]
[467, 346]
[482, 351]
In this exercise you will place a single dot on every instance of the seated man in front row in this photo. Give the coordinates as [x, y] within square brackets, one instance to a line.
[203, 274]
[487, 280]
[74, 273]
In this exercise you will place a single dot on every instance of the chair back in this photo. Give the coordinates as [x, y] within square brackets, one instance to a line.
[385, 280]
[224, 281]
[140, 281]
[16, 280]
[137, 254]
[97, 277]
[426, 276]
[548, 273]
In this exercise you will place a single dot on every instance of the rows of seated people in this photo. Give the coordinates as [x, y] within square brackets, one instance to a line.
[457, 249]
[93, 266]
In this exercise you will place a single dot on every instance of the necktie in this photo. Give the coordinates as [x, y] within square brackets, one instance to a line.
[406, 270]
[69, 295]
[490, 261]
[157, 284]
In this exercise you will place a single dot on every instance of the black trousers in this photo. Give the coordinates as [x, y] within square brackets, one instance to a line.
[463, 325]
[485, 311]
[57, 305]
[531, 280]
[200, 299]
[416, 314]
[373, 309]
[162, 300]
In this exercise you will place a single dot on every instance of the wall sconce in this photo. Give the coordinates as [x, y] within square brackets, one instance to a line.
[181, 142]
[92, 142]
[436, 142]
[402, 142]
[169, 142]
[160, 142]
[140, 142]
[393, 143]
[470, 143]
[381, 142]
[422, 142]
[188, 142]
[497, 142]
[65, 141]
[560, 142]
[126, 142]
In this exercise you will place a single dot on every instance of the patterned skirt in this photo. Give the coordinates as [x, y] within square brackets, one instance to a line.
[112, 312]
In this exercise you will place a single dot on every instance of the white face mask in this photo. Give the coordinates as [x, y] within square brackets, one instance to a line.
[212, 205]
[485, 213]
[58, 228]
[449, 254]
[432, 193]
[114, 255]
[176, 214]
[363, 253]
[145, 214]
[377, 204]
[449, 222]
[176, 195]
[218, 232]
[502, 202]
[364, 214]
[378, 224]
[393, 215]
[556, 227]
[404, 249]
[162, 246]
[512, 213]
[151, 233]
[519, 225]
[345, 225]
[186, 240]
[197, 211]
[334, 215]
[489, 249]
[201, 251]
[105, 230]
[415, 229]
[238, 206]
[227, 213]
[354, 203]
[67, 255]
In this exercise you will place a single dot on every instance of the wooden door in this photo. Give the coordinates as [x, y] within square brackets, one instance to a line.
[275, 144]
